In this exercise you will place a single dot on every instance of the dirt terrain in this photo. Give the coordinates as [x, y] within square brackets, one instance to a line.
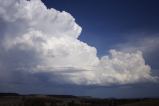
[13, 99]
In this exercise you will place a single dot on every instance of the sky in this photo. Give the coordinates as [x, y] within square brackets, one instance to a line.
[98, 48]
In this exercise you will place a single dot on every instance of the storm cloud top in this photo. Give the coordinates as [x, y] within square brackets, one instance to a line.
[35, 39]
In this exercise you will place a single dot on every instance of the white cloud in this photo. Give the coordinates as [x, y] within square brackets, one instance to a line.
[36, 39]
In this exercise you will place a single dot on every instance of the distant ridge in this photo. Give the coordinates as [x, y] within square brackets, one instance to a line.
[9, 94]
[51, 95]
[63, 96]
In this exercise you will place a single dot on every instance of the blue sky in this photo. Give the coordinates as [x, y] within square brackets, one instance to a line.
[107, 24]
[43, 54]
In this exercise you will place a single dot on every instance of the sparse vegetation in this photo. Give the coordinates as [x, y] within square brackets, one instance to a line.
[12, 99]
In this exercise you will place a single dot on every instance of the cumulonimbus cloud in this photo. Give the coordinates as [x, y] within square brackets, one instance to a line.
[34, 39]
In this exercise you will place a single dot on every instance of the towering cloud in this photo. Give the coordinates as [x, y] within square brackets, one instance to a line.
[34, 39]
